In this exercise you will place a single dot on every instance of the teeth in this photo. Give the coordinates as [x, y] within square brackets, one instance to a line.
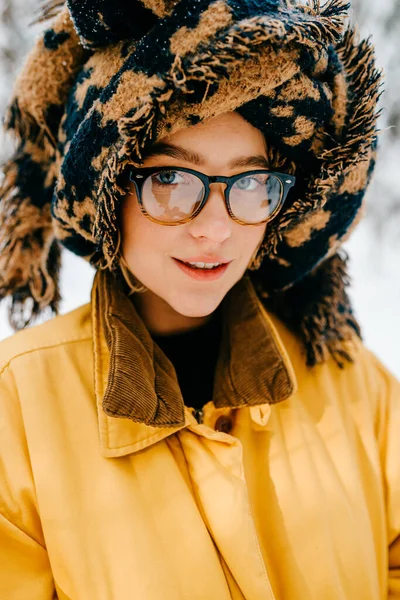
[202, 265]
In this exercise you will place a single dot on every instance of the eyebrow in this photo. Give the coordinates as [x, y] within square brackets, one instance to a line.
[158, 149]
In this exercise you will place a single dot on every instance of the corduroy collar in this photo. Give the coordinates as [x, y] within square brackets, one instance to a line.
[136, 381]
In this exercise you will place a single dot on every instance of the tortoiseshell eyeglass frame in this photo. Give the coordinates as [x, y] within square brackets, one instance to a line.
[140, 175]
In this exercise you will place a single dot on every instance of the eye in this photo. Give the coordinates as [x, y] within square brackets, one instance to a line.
[247, 184]
[168, 178]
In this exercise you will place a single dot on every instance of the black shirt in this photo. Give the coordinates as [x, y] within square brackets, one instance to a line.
[194, 355]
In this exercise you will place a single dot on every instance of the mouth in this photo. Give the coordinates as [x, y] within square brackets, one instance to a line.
[202, 271]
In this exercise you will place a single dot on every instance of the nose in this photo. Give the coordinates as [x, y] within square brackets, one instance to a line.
[213, 222]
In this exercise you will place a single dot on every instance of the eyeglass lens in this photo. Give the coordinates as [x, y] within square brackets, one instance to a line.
[173, 196]
[254, 198]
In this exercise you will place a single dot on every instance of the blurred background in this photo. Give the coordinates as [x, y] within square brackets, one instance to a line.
[374, 248]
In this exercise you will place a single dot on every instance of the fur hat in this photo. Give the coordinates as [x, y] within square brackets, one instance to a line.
[106, 81]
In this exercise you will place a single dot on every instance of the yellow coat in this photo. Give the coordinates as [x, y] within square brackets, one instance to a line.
[111, 490]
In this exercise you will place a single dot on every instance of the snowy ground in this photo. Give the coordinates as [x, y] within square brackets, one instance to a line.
[375, 270]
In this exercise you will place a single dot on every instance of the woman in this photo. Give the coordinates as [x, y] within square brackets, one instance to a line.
[210, 425]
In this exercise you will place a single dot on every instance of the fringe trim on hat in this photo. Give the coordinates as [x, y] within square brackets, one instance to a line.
[24, 308]
[318, 310]
[106, 228]
[29, 254]
[365, 82]
[137, 130]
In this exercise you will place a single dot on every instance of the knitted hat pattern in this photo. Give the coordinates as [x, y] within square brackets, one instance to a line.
[105, 82]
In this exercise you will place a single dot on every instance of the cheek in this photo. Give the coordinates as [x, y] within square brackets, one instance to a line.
[144, 243]
[250, 239]
[134, 225]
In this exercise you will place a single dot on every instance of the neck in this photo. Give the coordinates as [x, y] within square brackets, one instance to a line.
[161, 319]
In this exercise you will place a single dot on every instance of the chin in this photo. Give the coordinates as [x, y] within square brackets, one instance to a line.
[195, 306]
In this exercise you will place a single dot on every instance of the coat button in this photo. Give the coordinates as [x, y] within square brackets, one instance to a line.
[224, 423]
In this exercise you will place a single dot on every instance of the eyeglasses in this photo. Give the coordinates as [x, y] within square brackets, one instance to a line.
[173, 196]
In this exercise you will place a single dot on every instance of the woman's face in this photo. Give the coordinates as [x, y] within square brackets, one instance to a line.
[225, 145]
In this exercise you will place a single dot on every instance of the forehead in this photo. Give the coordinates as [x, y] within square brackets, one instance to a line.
[227, 141]
[227, 125]
[180, 154]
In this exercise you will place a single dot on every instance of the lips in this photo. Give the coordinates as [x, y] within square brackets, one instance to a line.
[203, 265]
[202, 273]
[205, 258]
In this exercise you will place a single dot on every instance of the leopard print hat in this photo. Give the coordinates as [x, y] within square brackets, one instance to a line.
[107, 80]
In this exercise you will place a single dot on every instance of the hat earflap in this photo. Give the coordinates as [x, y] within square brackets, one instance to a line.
[293, 268]
[29, 252]
[318, 310]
